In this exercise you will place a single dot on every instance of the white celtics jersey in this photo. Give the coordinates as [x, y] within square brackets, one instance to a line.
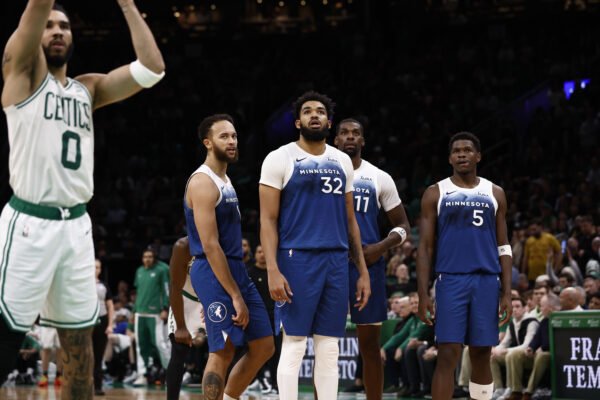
[51, 137]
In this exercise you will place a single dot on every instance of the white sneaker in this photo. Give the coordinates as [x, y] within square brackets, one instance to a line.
[498, 393]
[131, 377]
[506, 394]
[187, 377]
[140, 381]
[265, 386]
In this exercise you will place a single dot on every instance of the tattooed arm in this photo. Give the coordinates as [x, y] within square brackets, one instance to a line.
[363, 285]
[78, 363]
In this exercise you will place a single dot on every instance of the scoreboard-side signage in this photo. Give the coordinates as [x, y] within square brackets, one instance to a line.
[575, 348]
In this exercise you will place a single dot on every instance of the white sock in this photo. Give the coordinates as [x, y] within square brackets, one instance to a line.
[292, 352]
[326, 366]
[481, 392]
[228, 397]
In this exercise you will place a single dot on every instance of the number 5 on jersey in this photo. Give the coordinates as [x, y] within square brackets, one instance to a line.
[328, 188]
[477, 218]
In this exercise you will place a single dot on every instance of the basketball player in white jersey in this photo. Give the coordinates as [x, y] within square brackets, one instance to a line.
[374, 190]
[46, 246]
[185, 314]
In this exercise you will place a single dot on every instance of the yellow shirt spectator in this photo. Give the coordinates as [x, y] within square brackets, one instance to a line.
[536, 254]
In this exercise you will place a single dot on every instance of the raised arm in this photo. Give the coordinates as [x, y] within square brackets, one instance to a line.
[505, 255]
[178, 271]
[120, 83]
[23, 62]
[202, 195]
[425, 250]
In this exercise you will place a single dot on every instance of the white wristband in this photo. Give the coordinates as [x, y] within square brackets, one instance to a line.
[143, 76]
[505, 250]
[400, 231]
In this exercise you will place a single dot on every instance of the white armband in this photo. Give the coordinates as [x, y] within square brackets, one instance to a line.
[505, 250]
[400, 231]
[143, 76]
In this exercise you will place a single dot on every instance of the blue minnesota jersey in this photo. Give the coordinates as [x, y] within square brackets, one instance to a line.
[374, 189]
[228, 219]
[312, 212]
[467, 229]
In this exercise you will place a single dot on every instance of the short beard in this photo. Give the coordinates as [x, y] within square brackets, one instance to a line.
[224, 157]
[314, 136]
[58, 61]
[351, 153]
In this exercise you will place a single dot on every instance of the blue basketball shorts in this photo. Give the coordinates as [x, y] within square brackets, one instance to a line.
[376, 309]
[466, 309]
[319, 281]
[218, 306]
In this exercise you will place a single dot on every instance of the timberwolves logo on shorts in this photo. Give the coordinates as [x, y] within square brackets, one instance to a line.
[280, 303]
[217, 312]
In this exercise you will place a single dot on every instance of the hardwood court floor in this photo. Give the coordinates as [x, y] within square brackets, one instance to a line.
[146, 393]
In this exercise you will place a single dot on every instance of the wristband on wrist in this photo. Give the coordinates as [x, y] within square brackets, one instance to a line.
[144, 76]
[400, 231]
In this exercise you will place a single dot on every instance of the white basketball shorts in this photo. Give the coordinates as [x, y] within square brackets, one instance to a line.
[47, 267]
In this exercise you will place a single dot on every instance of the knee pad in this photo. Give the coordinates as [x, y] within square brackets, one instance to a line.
[481, 392]
[326, 355]
[292, 352]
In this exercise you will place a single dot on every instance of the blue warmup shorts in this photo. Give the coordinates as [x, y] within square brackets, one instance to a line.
[319, 281]
[466, 309]
[376, 309]
[218, 307]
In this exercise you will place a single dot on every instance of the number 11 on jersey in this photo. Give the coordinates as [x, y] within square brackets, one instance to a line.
[366, 203]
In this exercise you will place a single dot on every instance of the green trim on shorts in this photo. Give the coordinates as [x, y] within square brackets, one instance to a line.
[3, 267]
[70, 325]
[45, 212]
[189, 296]
[34, 94]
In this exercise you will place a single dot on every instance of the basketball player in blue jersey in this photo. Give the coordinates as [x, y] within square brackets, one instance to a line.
[373, 189]
[473, 268]
[234, 311]
[307, 227]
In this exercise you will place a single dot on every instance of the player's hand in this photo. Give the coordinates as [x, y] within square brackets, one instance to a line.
[371, 253]
[109, 330]
[363, 291]
[182, 335]
[383, 356]
[529, 352]
[413, 343]
[241, 316]
[426, 305]
[279, 288]
[505, 311]
[164, 315]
